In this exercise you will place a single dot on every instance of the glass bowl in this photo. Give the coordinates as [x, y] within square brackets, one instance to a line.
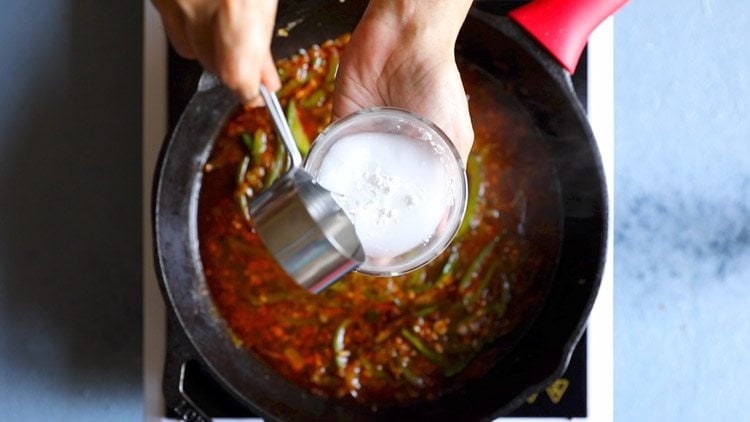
[399, 179]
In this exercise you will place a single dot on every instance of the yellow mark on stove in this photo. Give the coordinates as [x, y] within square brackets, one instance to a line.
[556, 390]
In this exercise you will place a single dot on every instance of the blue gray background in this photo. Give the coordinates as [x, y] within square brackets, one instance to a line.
[70, 210]
[682, 210]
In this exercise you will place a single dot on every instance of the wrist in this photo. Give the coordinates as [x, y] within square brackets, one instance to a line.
[432, 23]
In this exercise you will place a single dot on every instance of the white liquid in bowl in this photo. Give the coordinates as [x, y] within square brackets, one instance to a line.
[396, 190]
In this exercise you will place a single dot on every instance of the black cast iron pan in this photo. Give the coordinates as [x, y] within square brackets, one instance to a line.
[505, 50]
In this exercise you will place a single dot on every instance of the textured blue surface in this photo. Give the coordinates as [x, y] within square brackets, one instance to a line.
[682, 210]
[70, 211]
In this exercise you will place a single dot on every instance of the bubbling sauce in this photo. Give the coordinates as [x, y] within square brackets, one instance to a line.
[378, 340]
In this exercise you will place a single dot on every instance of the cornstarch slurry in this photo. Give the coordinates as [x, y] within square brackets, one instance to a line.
[396, 190]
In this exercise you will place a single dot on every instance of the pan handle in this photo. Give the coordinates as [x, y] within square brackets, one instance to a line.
[563, 26]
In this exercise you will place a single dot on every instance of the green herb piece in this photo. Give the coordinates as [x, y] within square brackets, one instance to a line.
[300, 137]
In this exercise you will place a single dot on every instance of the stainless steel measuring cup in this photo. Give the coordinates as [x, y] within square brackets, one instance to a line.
[299, 222]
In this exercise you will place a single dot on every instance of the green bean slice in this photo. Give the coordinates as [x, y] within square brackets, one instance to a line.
[298, 131]
[474, 173]
[477, 264]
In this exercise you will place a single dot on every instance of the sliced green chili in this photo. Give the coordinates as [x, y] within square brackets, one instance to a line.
[447, 271]
[500, 307]
[315, 99]
[317, 62]
[416, 281]
[411, 377]
[247, 141]
[242, 169]
[417, 276]
[372, 315]
[340, 354]
[269, 298]
[277, 166]
[374, 370]
[333, 66]
[294, 358]
[483, 285]
[294, 83]
[477, 263]
[383, 335]
[386, 333]
[259, 145]
[455, 368]
[283, 75]
[244, 206]
[299, 321]
[300, 137]
[426, 311]
[474, 173]
[425, 351]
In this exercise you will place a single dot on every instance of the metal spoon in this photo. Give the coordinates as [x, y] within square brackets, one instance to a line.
[282, 126]
[300, 224]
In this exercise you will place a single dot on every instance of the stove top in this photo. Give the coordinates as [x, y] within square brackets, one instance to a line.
[188, 390]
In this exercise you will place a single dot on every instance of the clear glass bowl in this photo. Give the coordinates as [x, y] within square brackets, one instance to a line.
[399, 179]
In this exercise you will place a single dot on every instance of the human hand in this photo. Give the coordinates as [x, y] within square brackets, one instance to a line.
[402, 55]
[231, 38]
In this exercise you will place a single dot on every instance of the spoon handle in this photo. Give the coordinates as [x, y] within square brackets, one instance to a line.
[282, 126]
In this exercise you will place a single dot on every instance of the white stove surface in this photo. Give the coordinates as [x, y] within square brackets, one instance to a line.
[600, 388]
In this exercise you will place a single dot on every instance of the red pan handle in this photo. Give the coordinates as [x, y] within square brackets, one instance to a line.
[564, 26]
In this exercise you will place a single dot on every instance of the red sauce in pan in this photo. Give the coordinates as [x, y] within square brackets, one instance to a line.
[384, 339]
